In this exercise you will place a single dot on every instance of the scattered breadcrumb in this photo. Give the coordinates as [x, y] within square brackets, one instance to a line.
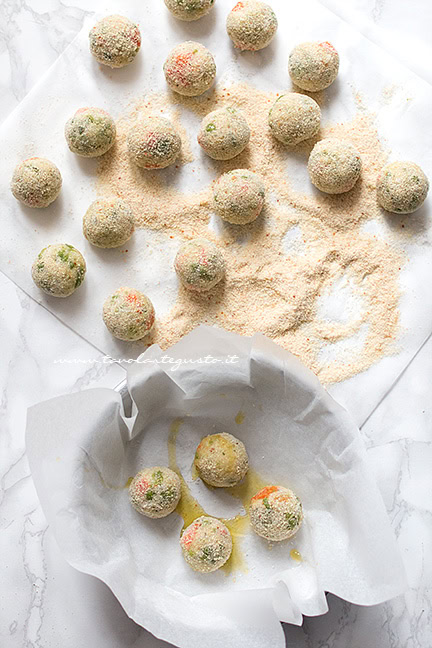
[281, 268]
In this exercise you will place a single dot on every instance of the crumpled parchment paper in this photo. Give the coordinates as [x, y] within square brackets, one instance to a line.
[82, 451]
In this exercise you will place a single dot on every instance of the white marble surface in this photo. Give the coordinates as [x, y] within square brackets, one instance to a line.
[46, 604]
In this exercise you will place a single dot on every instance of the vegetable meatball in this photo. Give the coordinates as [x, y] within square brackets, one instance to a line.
[190, 69]
[155, 492]
[294, 118]
[59, 270]
[275, 513]
[334, 166]
[36, 182]
[154, 143]
[108, 223]
[239, 196]
[221, 460]
[313, 66]
[402, 187]
[206, 544]
[115, 41]
[200, 265]
[189, 9]
[224, 134]
[91, 132]
[251, 25]
[128, 314]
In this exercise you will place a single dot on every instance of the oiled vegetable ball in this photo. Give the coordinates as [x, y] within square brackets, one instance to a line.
[190, 69]
[59, 270]
[128, 314]
[91, 132]
[313, 66]
[275, 513]
[108, 223]
[334, 166]
[239, 196]
[206, 544]
[224, 133]
[189, 9]
[294, 118]
[155, 492]
[36, 182]
[200, 265]
[402, 187]
[115, 41]
[221, 460]
[154, 143]
[251, 25]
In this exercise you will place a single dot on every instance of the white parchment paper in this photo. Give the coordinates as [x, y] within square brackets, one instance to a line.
[400, 99]
[82, 450]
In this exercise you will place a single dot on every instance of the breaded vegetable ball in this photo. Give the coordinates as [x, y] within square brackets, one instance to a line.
[239, 196]
[206, 544]
[155, 492]
[251, 25]
[115, 41]
[276, 513]
[189, 9]
[334, 166]
[313, 66]
[59, 270]
[294, 118]
[108, 223]
[402, 187]
[90, 132]
[154, 143]
[36, 182]
[128, 314]
[190, 69]
[200, 265]
[224, 133]
[221, 460]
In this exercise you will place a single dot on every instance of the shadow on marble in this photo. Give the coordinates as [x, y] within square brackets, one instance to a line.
[350, 626]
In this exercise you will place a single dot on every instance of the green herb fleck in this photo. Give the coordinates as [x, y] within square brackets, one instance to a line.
[157, 477]
[63, 255]
[168, 494]
[292, 519]
[80, 277]
[207, 555]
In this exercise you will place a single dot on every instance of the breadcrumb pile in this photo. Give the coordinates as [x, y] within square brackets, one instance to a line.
[281, 268]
